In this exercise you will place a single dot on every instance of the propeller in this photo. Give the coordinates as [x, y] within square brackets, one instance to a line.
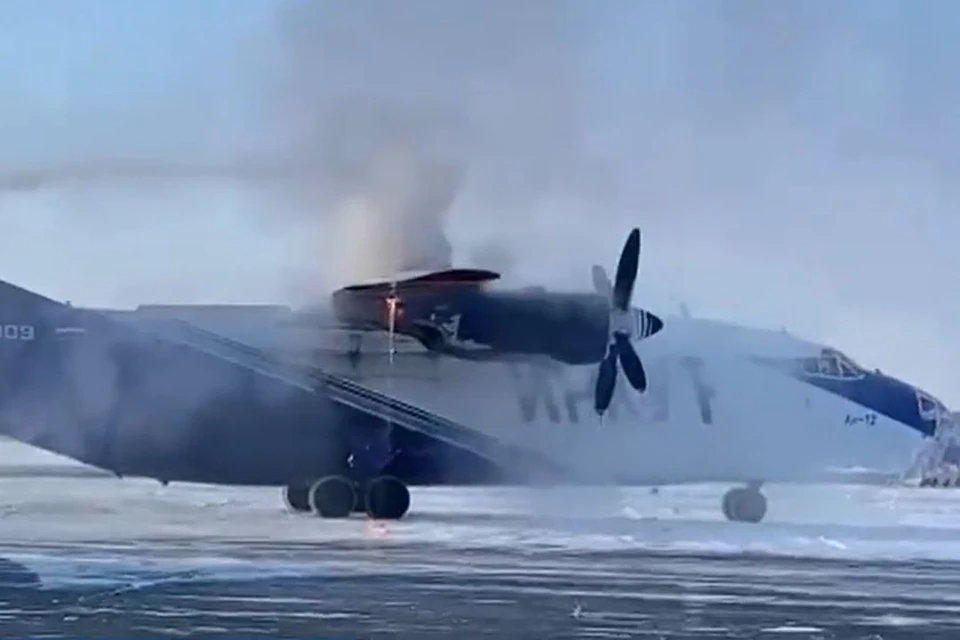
[624, 325]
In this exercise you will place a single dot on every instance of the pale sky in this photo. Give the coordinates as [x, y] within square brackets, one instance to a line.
[791, 163]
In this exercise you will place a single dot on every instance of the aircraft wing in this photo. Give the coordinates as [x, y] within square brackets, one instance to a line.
[437, 277]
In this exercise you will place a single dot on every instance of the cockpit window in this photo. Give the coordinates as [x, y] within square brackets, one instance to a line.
[846, 363]
[830, 367]
[832, 364]
[931, 408]
[846, 371]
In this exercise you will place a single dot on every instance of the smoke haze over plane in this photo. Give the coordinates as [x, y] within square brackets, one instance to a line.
[791, 162]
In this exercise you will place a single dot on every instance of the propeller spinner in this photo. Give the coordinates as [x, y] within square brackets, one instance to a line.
[624, 325]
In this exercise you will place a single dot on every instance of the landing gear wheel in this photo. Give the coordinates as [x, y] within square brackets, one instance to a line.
[744, 504]
[387, 498]
[297, 497]
[332, 497]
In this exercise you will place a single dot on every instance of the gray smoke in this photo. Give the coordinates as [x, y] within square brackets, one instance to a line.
[382, 122]
[414, 112]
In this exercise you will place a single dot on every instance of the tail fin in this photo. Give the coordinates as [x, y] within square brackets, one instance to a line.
[32, 329]
[136, 401]
[27, 320]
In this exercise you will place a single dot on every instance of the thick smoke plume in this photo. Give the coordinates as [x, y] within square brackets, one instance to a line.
[415, 112]
[383, 124]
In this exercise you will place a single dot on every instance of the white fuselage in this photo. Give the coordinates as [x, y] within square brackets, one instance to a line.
[760, 424]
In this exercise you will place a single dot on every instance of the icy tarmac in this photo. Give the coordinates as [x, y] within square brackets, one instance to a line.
[90, 556]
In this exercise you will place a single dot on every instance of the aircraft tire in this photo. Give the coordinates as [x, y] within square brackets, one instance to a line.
[297, 497]
[744, 504]
[387, 498]
[332, 497]
[361, 505]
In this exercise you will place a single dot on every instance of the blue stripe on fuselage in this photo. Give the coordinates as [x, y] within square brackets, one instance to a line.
[875, 391]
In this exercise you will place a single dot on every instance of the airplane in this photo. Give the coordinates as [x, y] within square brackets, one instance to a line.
[440, 377]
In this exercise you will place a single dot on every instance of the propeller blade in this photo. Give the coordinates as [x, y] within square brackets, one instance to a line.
[601, 282]
[627, 271]
[630, 361]
[606, 381]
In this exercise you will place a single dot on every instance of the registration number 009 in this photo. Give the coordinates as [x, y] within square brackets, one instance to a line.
[22, 332]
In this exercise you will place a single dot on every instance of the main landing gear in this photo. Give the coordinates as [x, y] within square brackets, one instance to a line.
[383, 497]
[745, 504]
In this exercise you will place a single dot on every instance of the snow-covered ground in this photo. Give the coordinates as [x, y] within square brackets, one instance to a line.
[46, 518]
[600, 560]
[828, 520]
[18, 459]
